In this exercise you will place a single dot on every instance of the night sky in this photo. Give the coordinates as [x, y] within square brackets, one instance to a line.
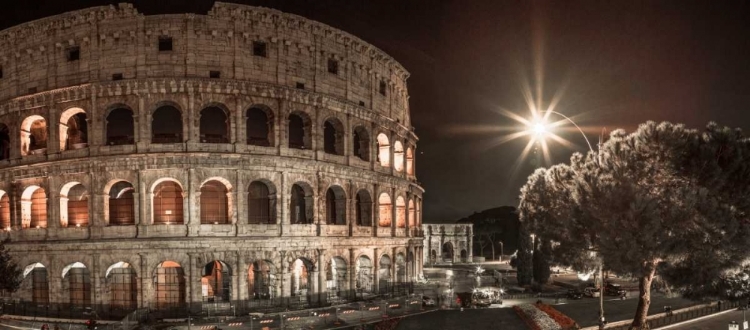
[614, 64]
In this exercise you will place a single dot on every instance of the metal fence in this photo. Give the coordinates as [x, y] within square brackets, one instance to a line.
[667, 318]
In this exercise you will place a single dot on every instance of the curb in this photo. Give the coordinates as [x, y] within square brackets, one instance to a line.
[696, 319]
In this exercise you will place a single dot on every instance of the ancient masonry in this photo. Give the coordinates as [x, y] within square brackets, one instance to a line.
[448, 243]
[243, 155]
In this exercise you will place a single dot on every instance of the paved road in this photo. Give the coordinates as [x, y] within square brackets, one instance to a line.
[586, 311]
[474, 319]
[713, 322]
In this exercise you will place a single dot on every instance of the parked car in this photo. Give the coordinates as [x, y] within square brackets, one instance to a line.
[574, 294]
[427, 301]
[614, 290]
[591, 292]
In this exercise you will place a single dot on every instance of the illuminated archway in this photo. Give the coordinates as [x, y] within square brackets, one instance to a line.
[169, 280]
[400, 212]
[398, 156]
[384, 150]
[385, 210]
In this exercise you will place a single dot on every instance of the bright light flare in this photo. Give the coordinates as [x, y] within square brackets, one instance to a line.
[539, 129]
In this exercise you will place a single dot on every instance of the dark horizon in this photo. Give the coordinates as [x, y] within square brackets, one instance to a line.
[619, 64]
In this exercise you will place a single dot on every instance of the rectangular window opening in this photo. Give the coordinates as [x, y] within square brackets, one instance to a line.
[300, 85]
[214, 74]
[361, 103]
[32, 90]
[333, 66]
[73, 54]
[165, 44]
[117, 76]
[1, 72]
[382, 87]
[259, 49]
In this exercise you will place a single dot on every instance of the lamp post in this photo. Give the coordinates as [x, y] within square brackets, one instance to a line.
[539, 129]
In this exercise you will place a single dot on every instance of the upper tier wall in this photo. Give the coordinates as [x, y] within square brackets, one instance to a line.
[118, 41]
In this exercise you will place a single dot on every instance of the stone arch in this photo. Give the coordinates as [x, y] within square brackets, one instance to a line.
[448, 251]
[214, 124]
[433, 256]
[400, 212]
[261, 280]
[363, 274]
[261, 202]
[34, 207]
[409, 161]
[336, 205]
[364, 208]
[122, 285]
[333, 136]
[385, 210]
[5, 222]
[464, 255]
[167, 202]
[169, 283]
[336, 276]
[34, 135]
[74, 205]
[301, 204]
[166, 124]
[361, 143]
[398, 156]
[215, 201]
[259, 123]
[119, 125]
[384, 150]
[384, 273]
[4, 142]
[120, 204]
[216, 282]
[301, 271]
[39, 277]
[412, 220]
[401, 275]
[73, 129]
[299, 130]
[77, 284]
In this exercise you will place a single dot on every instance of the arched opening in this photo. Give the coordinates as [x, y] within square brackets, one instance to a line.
[400, 212]
[4, 211]
[384, 150]
[333, 136]
[398, 156]
[214, 125]
[300, 131]
[169, 281]
[410, 265]
[4, 142]
[361, 143]
[73, 129]
[385, 210]
[463, 255]
[409, 161]
[33, 135]
[300, 270]
[78, 281]
[167, 203]
[121, 204]
[34, 208]
[261, 280]
[384, 274]
[433, 256]
[122, 285]
[261, 204]
[120, 127]
[363, 280]
[259, 125]
[39, 283]
[166, 125]
[447, 252]
[74, 205]
[412, 220]
[214, 203]
[216, 282]
[335, 206]
[400, 268]
[364, 208]
[301, 204]
[336, 277]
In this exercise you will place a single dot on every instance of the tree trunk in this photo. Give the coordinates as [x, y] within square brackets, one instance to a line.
[644, 297]
[493, 252]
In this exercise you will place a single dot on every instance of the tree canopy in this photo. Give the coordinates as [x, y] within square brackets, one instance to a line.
[10, 274]
[664, 197]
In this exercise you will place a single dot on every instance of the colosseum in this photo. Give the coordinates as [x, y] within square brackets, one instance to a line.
[242, 158]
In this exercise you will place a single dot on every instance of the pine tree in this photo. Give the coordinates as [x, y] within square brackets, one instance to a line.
[524, 262]
[541, 261]
[663, 198]
[10, 274]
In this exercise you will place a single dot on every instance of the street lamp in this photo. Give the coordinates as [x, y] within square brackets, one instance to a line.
[539, 129]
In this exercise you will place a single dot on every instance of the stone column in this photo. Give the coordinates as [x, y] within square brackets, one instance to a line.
[351, 274]
[470, 238]
[242, 270]
[409, 220]
[146, 282]
[237, 278]
[394, 212]
[191, 205]
[321, 278]
[375, 268]
[98, 285]
[376, 210]
[394, 267]
[193, 288]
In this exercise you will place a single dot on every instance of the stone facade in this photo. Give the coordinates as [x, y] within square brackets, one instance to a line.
[448, 243]
[341, 207]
